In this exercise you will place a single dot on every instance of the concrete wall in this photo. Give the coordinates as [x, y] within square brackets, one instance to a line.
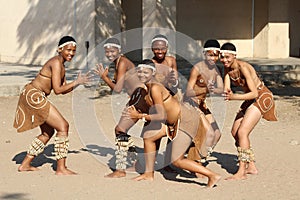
[294, 27]
[227, 21]
[30, 30]
[260, 42]
[133, 20]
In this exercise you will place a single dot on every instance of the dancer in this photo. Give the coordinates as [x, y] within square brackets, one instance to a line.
[159, 45]
[125, 77]
[258, 102]
[34, 109]
[205, 78]
[166, 112]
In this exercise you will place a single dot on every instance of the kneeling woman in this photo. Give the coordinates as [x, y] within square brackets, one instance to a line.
[181, 120]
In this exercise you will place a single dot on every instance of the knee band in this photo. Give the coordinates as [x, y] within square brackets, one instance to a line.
[36, 147]
[251, 155]
[124, 145]
[132, 154]
[61, 146]
[243, 154]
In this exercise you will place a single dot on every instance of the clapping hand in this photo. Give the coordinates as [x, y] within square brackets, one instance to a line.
[83, 78]
[101, 71]
[172, 78]
[227, 94]
[211, 85]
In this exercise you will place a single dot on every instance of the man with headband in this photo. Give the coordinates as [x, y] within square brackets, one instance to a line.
[125, 77]
[34, 109]
[205, 79]
[258, 102]
[159, 45]
[167, 73]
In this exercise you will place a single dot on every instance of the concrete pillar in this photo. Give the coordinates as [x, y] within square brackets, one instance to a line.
[108, 19]
[159, 17]
[278, 36]
[272, 37]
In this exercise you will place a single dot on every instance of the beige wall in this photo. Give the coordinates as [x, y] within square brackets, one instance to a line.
[227, 21]
[30, 30]
[260, 42]
[266, 35]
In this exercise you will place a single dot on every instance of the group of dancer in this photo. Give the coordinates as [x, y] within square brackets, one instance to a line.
[153, 89]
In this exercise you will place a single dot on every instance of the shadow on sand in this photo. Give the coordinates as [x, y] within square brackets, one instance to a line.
[226, 161]
[44, 158]
[14, 196]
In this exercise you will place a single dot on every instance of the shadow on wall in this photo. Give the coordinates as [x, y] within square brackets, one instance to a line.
[47, 21]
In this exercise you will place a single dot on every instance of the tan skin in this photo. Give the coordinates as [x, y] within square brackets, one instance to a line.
[124, 67]
[167, 110]
[160, 49]
[243, 125]
[160, 58]
[207, 70]
[55, 69]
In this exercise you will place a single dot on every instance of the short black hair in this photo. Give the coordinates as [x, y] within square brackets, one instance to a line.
[148, 62]
[228, 46]
[65, 39]
[211, 43]
[113, 41]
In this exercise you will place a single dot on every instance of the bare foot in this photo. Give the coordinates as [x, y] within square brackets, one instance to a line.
[65, 172]
[212, 181]
[116, 174]
[146, 176]
[252, 171]
[237, 177]
[22, 168]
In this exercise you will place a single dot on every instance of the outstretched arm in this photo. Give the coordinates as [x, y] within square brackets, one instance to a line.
[62, 87]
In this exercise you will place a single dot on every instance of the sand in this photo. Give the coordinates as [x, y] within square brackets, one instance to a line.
[276, 145]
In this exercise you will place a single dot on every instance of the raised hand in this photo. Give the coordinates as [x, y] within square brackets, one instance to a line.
[101, 71]
[172, 78]
[83, 78]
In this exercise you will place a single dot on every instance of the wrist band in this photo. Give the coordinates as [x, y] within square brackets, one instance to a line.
[176, 84]
[143, 118]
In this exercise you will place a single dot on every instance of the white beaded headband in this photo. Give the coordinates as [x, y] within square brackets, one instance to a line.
[227, 51]
[66, 43]
[211, 49]
[146, 66]
[112, 45]
[160, 39]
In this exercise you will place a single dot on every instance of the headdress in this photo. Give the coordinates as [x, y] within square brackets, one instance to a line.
[66, 40]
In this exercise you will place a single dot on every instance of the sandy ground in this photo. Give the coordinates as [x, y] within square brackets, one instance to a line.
[276, 145]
